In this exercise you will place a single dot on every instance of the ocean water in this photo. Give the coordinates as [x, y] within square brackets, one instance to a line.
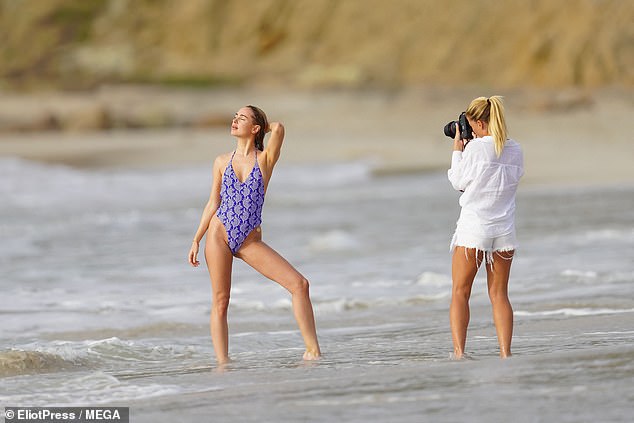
[99, 305]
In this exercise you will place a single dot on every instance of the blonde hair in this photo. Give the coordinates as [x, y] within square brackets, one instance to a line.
[491, 111]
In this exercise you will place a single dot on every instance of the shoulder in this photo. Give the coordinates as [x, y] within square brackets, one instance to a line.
[222, 160]
[478, 147]
[486, 141]
[513, 152]
[513, 148]
[512, 144]
[224, 157]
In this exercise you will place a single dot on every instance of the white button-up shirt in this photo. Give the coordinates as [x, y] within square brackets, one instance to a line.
[489, 184]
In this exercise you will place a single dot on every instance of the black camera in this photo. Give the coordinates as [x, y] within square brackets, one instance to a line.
[466, 133]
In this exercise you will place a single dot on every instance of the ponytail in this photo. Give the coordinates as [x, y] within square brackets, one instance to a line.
[261, 120]
[491, 111]
[497, 123]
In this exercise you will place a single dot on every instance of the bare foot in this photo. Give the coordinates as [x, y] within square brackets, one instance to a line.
[459, 356]
[455, 356]
[223, 361]
[220, 368]
[312, 355]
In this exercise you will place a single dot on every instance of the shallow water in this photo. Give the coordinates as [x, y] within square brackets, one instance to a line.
[100, 306]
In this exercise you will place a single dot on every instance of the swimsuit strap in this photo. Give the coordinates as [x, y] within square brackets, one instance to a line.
[234, 153]
[230, 161]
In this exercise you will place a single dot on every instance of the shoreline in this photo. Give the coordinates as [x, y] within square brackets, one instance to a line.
[571, 142]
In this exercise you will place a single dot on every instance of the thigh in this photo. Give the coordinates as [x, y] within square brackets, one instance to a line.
[219, 258]
[499, 271]
[464, 266]
[269, 263]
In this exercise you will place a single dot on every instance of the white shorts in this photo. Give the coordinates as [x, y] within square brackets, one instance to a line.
[506, 242]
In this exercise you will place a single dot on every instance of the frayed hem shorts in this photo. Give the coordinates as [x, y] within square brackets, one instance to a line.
[487, 245]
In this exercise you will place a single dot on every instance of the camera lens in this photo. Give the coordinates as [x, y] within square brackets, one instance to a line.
[450, 129]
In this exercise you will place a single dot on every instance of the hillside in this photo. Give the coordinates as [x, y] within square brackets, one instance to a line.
[317, 43]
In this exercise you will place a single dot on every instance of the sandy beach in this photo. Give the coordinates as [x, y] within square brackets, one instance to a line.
[569, 137]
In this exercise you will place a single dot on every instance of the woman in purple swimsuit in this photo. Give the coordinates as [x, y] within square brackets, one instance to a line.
[232, 220]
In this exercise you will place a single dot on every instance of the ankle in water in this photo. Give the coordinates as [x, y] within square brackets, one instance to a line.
[312, 355]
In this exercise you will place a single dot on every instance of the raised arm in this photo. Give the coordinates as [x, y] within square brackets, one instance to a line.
[274, 145]
[210, 208]
[461, 169]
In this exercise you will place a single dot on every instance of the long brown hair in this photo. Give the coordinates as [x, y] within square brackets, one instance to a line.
[491, 111]
[260, 119]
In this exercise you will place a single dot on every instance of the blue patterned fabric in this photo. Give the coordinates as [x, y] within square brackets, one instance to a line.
[241, 204]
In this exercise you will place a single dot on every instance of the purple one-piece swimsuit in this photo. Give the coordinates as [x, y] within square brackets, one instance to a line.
[241, 203]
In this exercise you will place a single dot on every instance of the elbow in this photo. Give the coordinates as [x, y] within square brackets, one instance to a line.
[456, 179]
[456, 184]
[452, 180]
[211, 207]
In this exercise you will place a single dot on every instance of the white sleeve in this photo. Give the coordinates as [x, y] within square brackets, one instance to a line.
[461, 170]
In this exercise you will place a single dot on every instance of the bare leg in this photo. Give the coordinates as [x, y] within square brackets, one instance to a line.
[464, 266]
[272, 265]
[498, 280]
[219, 261]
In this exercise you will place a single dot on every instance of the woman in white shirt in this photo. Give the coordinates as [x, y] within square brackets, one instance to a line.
[488, 171]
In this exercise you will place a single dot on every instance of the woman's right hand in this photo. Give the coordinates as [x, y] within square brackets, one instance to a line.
[458, 144]
[193, 254]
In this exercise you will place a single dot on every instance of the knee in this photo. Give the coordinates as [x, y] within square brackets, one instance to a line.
[497, 295]
[220, 304]
[461, 292]
[300, 286]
